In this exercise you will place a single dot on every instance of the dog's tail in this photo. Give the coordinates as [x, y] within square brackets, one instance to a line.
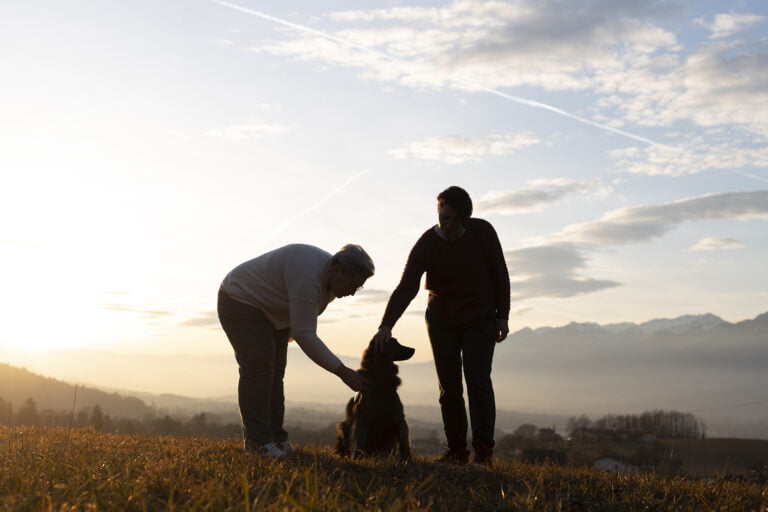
[342, 439]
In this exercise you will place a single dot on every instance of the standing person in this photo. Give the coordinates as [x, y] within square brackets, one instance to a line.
[265, 301]
[467, 314]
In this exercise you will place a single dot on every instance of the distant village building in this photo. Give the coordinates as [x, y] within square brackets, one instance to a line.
[548, 434]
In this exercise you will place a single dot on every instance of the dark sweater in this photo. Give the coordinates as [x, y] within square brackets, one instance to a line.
[466, 278]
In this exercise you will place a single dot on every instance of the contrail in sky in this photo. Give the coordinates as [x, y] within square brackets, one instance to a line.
[516, 99]
[470, 85]
[749, 175]
[301, 214]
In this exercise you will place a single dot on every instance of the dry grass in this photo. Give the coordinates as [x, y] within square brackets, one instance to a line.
[56, 469]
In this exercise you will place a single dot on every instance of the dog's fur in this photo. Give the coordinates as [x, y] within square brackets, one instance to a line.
[375, 422]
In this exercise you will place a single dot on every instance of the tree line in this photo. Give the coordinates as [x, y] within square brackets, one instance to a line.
[199, 425]
[658, 423]
[662, 424]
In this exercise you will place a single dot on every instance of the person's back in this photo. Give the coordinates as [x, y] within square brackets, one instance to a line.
[274, 279]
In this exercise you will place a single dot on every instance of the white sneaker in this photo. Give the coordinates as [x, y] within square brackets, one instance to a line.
[271, 450]
[287, 447]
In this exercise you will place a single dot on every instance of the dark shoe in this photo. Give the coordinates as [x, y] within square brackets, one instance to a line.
[483, 455]
[458, 456]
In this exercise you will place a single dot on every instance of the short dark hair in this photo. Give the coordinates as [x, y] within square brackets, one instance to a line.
[458, 199]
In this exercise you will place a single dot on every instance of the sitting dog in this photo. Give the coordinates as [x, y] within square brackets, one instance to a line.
[375, 422]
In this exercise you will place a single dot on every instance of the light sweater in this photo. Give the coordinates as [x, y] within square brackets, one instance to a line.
[288, 285]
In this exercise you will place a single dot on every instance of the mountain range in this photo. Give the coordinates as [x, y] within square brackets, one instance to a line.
[694, 363]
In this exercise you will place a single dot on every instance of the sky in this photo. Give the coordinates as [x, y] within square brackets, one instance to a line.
[619, 148]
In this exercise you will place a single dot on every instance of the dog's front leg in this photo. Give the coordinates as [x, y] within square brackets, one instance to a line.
[404, 445]
[359, 444]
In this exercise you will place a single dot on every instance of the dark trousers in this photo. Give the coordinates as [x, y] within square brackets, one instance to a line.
[470, 347]
[260, 351]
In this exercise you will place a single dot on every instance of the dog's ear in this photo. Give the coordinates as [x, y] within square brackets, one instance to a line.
[368, 353]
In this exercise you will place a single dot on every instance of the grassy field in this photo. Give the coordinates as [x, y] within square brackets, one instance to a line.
[56, 470]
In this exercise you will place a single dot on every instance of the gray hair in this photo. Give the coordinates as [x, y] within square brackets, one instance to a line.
[352, 257]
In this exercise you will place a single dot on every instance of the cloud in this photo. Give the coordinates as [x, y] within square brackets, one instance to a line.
[247, 131]
[609, 47]
[403, 42]
[551, 271]
[722, 89]
[556, 48]
[208, 319]
[724, 25]
[694, 157]
[544, 260]
[491, 43]
[371, 296]
[455, 14]
[330, 318]
[9, 242]
[520, 311]
[456, 149]
[714, 87]
[557, 268]
[536, 195]
[637, 70]
[714, 243]
[364, 297]
[644, 223]
[615, 49]
[143, 312]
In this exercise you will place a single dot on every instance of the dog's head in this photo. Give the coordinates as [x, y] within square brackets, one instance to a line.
[391, 352]
[394, 351]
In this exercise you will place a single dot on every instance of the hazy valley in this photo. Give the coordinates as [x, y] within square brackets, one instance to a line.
[699, 364]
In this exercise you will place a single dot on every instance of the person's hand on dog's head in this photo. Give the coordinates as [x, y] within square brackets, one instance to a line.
[351, 378]
[383, 335]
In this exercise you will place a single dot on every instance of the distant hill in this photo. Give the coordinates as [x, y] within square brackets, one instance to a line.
[698, 363]
[18, 384]
[694, 363]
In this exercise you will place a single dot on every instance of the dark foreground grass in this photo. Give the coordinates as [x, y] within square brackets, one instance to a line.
[56, 469]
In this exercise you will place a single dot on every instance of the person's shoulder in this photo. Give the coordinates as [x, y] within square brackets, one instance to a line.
[299, 247]
[429, 233]
[425, 244]
[480, 224]
[428, 237]
[304, 249]
[304, 259]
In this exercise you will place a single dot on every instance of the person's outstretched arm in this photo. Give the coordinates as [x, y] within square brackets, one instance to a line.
[304, 331]
[403, 294]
